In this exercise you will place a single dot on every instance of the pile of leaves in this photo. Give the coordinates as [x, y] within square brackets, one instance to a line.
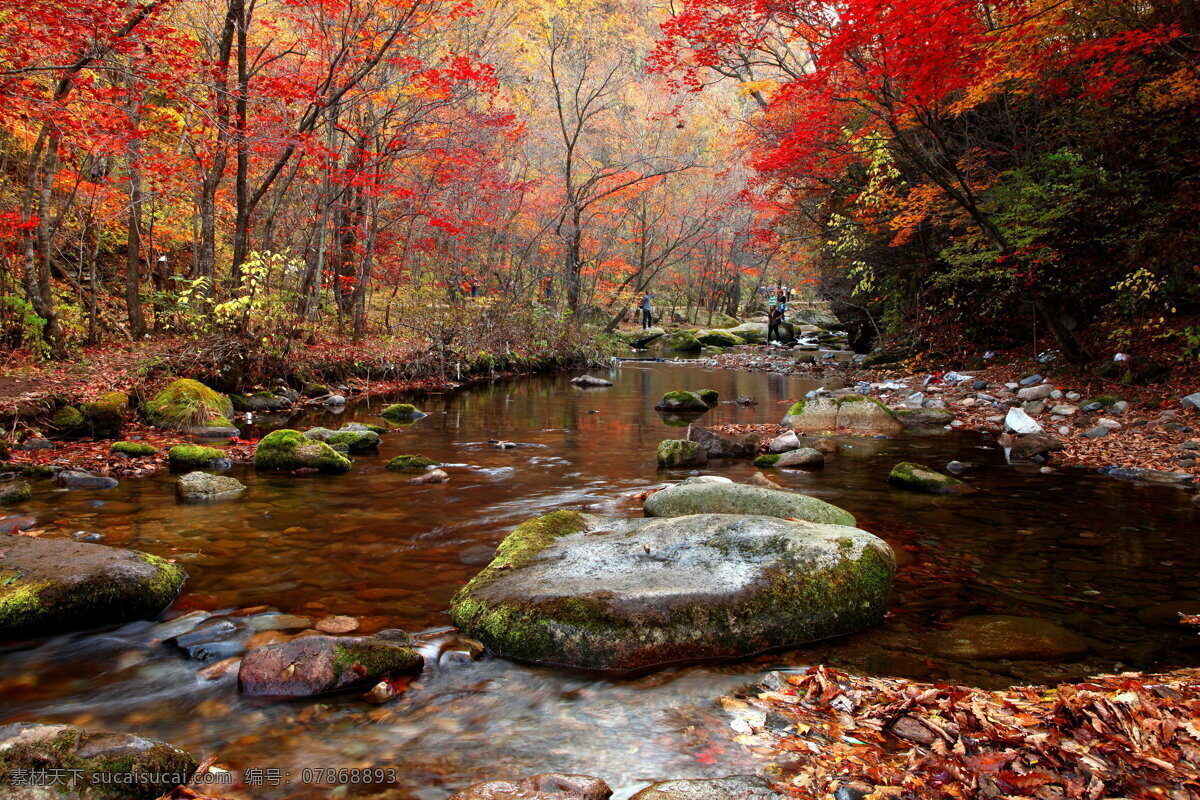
[1129, 735]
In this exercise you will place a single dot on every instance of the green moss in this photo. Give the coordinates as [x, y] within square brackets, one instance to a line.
[315, 390]
[15, 492]
[679, 453]
[286, 450]
[401, 412]
[1105, 401]
[20, 603]
[375, 658]
[186, 403]
[354, 441]
[238, 402]
[719, 338]
[133, 449]
[106, 414]
[709, 396]
[411, 463]
[797, 408]
[917, 477]
[766, 460]
[682, 401]
[193, 456]
[165, 585]
[68, 419]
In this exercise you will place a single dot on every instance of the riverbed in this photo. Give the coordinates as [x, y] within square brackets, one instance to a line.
[1095, 555]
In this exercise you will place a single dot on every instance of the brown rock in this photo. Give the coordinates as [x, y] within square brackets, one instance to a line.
[912, 729]
[337, 625]
[762, 480]
[550, 786]
[311, 665]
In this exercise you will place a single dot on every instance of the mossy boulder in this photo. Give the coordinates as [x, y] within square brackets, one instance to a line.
[402, 412]
[678, 342]
[919, 478]
[106, 415]
[766, 460]
[737, 498]
[710, 396]
[756, 332]
[15, 492]
[204, 487]
[112, 766]
[924, 417]
[677, 453]
[187, 404]
[719, 321]
[853, 412]
[364, 427]
[643, 338]
[316, 390]
[51, 584]
[355, 441]
[719, 338]
[680, 402]
[313, 665]
[286, 450]
[718, 445]
[193, 456]
[68, 420]
[133, 449]
[627, 594]
[411, 463]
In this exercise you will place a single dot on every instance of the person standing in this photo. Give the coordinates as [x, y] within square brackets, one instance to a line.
[647, 311]
[474, 287]
[778, 310]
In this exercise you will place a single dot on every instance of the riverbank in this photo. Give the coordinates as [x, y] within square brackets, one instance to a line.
[1100, 424]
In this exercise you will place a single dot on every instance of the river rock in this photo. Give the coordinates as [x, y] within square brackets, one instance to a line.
[625, 594]
[639, 339]
[919, 478]
[737, 787]
[312, 665]
[719, 338]
[432, 476]
[590, 380]
[999, 637]
[15, 492]
[187, 405]
[801, 458]
[1034, 393]
[735, 498]
[1031, 380]
[78, 479]
[929, 417]
[682, 402]
[106, 414]
[678, 342]
[1017, 421]
[285, 450]
[143, 768]
[854, 412]
[1032, 446]
[402, 412]
[719, 446]
[758, 479]
[51, 584]
[551, 786]
[1151, 475]
[205, 487]
[1168, 614]
[35, 443]
[784, 442]
[1192, 401]
[676, 453]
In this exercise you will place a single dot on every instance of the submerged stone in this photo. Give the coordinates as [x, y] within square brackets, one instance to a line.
[626, 594]
[398, 412]
[737, 787]
[50, 584]
[682, 402]
[997, 637]
[205, 487]
[15, 492]
[551, 786]
[735, 498]
[919, 478]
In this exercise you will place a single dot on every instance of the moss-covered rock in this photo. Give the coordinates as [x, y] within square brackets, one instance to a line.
[312, 665]
[103, 766]
[186, 403]
[355, 441]
[411, 463]
[680, 402]
[286, 450]
[193, 456]
[401, 412]
[719, 338]
[918, 478]
[51, 584]
[710, 396]
[766, 460]
[15, 492]
[643, 338]
[852, 412]
[365, 427]
[924, 417]
[68, 420]
[106, 415]
[626, 594]
[316, 390]
[756, 332]
[133, 449]
[678, 342]
[719, 321]
[676, 453]
[737, 498]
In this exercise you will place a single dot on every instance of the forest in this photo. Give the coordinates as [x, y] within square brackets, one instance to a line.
[592, 399]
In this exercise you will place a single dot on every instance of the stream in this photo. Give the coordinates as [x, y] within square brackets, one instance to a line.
[1095, 555]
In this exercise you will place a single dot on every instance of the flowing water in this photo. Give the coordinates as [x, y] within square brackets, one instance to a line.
[1088, 552]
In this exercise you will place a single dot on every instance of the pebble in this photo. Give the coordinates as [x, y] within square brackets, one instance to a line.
[337, 624]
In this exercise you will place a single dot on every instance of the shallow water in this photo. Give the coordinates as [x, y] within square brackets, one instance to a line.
[1083, 550]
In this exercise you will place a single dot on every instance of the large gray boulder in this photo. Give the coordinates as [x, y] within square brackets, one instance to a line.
[756, 332]
[642, 338]
[204, 487]
[142, 768]
[51, 584]
[626, 594]
[737, 787]
[736, 498]
[853, 412]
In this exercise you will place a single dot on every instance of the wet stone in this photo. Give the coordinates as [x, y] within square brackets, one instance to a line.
[551, 786]
[739, 787]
